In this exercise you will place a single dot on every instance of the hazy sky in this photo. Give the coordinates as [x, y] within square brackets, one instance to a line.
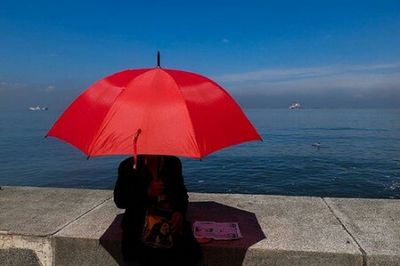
[267, 54]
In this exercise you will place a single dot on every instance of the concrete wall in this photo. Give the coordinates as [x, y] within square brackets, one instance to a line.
[53, 226]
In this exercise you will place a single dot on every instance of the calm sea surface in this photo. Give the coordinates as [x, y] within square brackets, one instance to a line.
[359, 156]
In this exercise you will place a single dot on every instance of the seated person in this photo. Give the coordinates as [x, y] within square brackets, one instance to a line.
[155, 231]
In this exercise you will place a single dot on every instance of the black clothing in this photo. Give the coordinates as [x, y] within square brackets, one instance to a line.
[130, 193]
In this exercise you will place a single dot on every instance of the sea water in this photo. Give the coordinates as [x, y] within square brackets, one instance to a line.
[308, 152]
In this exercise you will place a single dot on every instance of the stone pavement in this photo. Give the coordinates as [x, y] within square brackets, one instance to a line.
[54, 226]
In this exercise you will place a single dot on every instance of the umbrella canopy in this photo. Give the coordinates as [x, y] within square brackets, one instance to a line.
[153, 111]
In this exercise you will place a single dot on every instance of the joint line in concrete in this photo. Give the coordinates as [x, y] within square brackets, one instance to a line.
[80, 216]
[364, 254]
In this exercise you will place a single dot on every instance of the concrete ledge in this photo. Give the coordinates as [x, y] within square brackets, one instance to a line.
[18, 257]
[27, 249]
[93, 239]
[48, 226]
[44, 211]
[374, 224]
[299, 231]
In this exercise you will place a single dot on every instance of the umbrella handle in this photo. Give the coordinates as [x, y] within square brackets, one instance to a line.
[135, 155]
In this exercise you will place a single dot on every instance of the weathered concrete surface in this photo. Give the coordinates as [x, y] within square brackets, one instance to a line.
[44, 211]
[18, 257]
[16, 248]
[92, 240]
[374, 224]
[299, 231]
[81, 227]
[30, 215]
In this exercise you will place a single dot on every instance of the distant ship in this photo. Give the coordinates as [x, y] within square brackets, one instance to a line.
[295, 105]
[38, 108]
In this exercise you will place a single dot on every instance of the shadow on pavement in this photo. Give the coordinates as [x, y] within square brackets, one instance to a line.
[111, 240]
[226, 252]
[216, 252]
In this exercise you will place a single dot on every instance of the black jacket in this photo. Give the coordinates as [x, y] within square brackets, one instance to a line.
[130, 191]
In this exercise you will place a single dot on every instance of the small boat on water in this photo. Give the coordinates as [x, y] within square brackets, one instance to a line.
[295, 105]
[317, 145]
[38, 108]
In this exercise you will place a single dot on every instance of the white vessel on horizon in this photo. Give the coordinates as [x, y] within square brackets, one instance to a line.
[295, 105]
[38, 108]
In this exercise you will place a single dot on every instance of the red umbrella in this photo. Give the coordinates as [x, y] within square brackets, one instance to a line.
[153, 111]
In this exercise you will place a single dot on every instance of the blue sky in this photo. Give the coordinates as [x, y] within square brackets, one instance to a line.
[267, 54]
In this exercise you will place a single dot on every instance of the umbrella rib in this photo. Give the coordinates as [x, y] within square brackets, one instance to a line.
[188, 112]
[102, 128]
[103, 124]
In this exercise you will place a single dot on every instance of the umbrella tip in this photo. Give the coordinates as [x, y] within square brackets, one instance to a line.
[158, 59]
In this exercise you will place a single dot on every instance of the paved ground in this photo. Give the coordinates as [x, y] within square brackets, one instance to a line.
[51, 226]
